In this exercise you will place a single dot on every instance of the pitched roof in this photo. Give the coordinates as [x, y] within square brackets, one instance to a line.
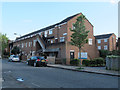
[49, 27]
[103, 36]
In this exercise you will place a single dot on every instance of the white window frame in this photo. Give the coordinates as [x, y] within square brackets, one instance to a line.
[26, 44]
[29, 44]
[105, 40]
[99, 41]
[62, 39]
[90, 41]
[105, 47]
[34, 43]
[51, 31]
[51, 41]
[99, 47]
[45, 33]
[22, 45]
[64, 34]
[73, 26]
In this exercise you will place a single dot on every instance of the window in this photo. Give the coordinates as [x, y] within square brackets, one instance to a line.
[45, 34]
[105, 40]
[26, 44]
[99, 41]
[34, 43]
[50, 31]
[73, 26]
[105, 47]
[40, 33]
[22, 45]
[29, 44]
[90, 41]
[64, 34]
[62, 39]
[56, 40]
[51, 41]
[99, 47]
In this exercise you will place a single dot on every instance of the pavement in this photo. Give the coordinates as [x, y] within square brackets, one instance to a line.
[96, 70]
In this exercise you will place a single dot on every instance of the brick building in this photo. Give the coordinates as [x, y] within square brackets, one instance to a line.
[54, 41]
[119, 43]
[106, 42]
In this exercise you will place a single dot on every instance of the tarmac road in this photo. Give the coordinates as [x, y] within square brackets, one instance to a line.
[20, 75]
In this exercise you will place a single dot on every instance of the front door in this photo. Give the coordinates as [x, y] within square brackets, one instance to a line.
[71, 55]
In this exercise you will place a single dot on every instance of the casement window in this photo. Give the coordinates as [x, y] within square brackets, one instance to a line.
[26, 44]
[105, 40]
[99, 41]
[90, 41]
[22, 45]
[99, 47]
[39, 33]
[34, 43]
[56, 40]
[73, 26]
[64, 34]
[45, 33]
[29, 44]
[50, 31]
[62, 39]
[51, 41]
[105, 47]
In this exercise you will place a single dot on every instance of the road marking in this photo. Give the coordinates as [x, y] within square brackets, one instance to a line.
[20, 79]
[36, 85]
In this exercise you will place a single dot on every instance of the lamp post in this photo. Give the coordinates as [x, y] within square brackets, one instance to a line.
[20, 44]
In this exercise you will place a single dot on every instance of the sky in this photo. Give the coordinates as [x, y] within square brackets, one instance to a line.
[25, 17]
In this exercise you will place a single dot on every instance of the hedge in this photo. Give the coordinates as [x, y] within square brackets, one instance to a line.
[95, 62]
[74, 62]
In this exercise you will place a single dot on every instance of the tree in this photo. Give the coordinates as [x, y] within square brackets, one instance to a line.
[15, 50]
[3, 42]
[79, 35]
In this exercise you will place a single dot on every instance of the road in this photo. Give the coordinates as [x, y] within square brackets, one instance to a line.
[20, 75]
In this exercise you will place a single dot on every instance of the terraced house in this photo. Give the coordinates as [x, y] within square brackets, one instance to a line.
[54, 41]
[106, 42]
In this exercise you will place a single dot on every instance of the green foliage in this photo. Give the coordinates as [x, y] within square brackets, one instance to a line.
[86, 62]
[79, 36]
[99, 61]
[3, 42]
[104, 53]
[74, 62]
[95, 62]
[15, 50]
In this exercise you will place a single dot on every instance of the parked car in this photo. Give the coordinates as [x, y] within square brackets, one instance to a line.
[14, 58]
[37, 61]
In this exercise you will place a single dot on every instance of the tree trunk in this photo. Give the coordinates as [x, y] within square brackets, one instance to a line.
[80, 56]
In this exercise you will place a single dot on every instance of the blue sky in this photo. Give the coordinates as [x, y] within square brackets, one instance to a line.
[26, 17]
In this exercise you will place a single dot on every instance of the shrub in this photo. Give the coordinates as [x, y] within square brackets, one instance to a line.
[86, 62]
[99, 61]
[74, 62]
[104, 53]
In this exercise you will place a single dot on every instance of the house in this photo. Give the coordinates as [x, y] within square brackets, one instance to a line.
[54, 41]
[106, 42]
[118, 43]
